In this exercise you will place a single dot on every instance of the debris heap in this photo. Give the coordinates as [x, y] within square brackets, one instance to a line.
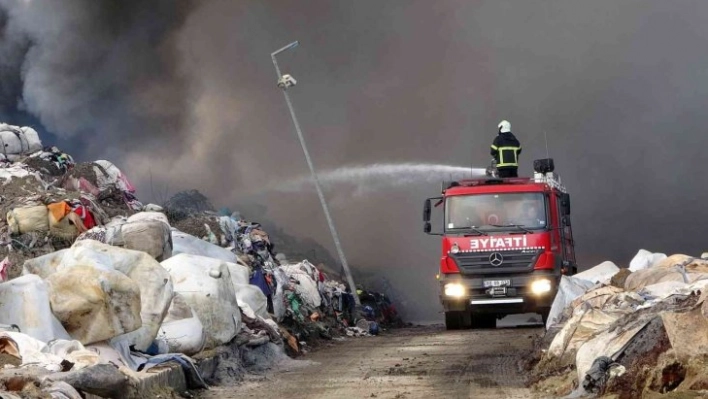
[97, 288]
[627, 331]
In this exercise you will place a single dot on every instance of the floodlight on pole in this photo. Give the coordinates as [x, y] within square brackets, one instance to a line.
[284, 82]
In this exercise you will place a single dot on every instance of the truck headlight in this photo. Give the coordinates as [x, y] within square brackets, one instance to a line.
[541, 286]
[455, 248]
[454, 290]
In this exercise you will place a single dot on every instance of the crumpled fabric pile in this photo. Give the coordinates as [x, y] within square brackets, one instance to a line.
[610, 323]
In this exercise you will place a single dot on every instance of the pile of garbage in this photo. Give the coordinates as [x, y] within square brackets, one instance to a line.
[627, 331]
[97, 288]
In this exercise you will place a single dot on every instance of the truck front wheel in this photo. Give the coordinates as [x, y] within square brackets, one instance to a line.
[457, 320]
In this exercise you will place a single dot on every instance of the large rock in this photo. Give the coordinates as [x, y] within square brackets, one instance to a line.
[205, 283]
[93, 304]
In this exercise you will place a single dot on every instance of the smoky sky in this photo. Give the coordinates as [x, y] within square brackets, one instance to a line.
[183, 95]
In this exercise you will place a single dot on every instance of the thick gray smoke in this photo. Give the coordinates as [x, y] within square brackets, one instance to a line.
[105, 73]
[187, 95]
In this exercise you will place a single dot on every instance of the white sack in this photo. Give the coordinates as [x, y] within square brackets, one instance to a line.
[24, 301]
[181, 329]
[152, 280]
[150, 236]
[17, 141]
[601, 273]
[568, 289]
[307, 289]
[44, 265]
[28, 219]
[205, 283]
[645, 259]
[94, 305]
[183, 243]
[254, 298]
[142, 216]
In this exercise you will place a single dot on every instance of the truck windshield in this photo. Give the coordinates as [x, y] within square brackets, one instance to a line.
[496, 212]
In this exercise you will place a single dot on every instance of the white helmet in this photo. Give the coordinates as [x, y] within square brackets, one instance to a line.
[504, 126]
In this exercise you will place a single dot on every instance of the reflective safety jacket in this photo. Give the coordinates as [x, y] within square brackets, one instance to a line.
[505, 150]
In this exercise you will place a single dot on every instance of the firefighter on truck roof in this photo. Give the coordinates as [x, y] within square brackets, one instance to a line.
[505, 150]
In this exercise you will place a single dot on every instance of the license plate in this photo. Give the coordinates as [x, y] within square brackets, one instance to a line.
[496, 283]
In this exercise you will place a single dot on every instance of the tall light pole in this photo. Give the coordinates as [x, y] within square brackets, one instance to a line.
[285, 81]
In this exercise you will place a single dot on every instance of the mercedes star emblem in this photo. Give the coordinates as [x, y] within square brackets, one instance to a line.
[496, 259]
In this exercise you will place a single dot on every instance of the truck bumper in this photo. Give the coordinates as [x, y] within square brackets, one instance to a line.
[516, 295]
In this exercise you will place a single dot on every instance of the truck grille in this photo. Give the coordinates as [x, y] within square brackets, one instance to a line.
[488, 262]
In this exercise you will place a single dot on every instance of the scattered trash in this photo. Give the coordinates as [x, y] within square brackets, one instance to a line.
[615, 329]
[95, 286]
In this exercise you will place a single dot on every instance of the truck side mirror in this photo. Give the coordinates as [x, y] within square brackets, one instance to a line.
[427, 228]
[426, 211]
[565, 203]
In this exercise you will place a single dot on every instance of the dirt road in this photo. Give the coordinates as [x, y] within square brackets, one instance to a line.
[418, 362]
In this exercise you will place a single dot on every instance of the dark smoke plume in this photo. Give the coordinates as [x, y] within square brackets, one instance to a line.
[185, 93]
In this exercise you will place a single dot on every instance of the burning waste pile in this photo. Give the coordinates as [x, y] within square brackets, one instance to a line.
[97, 290]
[628, 332]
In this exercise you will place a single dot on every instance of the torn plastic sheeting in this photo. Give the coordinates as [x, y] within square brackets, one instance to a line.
[680, 268]
[644, 260]
[279, 308]
[568, 289]
[112, 175]
[24, 301]
[663, 289]
[183, 243]
[600, 297]
[74, 352]
[307, 288]
[608, 343]
[601, 273]
[31, 351]
[583, 326]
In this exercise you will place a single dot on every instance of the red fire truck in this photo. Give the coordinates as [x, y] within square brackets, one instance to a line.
[505, 245]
